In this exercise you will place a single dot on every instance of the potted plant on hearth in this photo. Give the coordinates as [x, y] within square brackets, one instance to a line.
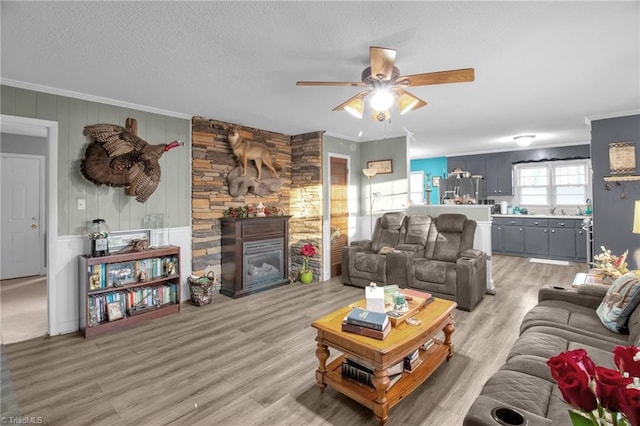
[306, 274]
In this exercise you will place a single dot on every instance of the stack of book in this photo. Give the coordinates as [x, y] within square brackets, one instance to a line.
[412, 361]
[362, 372]
[367, 323]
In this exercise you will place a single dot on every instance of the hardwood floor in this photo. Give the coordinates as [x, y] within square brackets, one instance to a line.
[251, 361]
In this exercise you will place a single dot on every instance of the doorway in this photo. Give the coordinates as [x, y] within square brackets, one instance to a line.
[42, 285]
[339, 211]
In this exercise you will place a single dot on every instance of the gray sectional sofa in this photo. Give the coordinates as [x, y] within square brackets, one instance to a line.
[431, 254]
[562, 320]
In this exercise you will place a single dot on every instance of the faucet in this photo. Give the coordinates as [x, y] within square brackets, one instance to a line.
[552, 211]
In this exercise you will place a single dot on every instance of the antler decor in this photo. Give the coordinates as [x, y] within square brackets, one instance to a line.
[118, 157]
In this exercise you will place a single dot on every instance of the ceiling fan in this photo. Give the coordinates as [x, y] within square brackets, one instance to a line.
[384, 81]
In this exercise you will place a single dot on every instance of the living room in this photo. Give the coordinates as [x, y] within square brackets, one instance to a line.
[193, 192]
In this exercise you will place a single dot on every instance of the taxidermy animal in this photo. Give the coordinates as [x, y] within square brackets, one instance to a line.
[117, 157]
[246, 150]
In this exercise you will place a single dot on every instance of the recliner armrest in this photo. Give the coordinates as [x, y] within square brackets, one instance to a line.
[571, 296]
[472, 253]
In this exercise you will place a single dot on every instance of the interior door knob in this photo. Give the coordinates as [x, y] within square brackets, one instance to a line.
[34, 226]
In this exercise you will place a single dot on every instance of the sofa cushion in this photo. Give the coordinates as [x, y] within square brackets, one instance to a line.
[621, 299]
[432, 271]
[520, 390]
[367, 262]
[389, 232]
[568, 316]
[417, 229]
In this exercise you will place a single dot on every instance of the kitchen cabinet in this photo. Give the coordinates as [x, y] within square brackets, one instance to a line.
[496, 235]
[498, 174]
[562, 239]
[581, 244]
[536, 237]
[513, 236]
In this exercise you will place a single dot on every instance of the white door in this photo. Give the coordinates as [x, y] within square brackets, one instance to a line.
[20, 199]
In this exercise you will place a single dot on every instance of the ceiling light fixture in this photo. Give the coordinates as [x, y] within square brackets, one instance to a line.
[524, 140]
[381, 100]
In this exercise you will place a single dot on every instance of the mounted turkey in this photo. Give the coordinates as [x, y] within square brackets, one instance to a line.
[117, 157]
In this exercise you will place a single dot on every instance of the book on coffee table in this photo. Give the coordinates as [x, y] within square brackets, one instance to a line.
[366, 331]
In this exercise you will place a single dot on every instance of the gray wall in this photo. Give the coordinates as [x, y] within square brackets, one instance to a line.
[612, 215]
[172, 197]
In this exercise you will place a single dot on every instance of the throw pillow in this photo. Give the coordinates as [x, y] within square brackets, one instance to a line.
[621, 299]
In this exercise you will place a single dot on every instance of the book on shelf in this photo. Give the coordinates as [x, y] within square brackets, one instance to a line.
[394, 369]
[366, 331]
[410, 366]
[363, 375]
[364, 318]
[427, 345]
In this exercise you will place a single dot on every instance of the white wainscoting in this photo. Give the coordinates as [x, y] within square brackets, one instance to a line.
[62, 291]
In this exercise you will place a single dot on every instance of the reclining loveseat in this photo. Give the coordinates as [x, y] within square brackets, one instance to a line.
[431, 254]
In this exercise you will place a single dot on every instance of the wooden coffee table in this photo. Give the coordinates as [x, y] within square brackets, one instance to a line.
[401, 341]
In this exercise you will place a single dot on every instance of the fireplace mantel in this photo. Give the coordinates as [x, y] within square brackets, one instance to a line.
[242, 239]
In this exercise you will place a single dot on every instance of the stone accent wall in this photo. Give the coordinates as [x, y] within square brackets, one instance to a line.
[212, 160]
[306, 200]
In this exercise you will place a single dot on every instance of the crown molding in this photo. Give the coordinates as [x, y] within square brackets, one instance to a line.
[91, 98]
[591, 118]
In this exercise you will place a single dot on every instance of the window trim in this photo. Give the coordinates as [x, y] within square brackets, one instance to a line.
[551, 185]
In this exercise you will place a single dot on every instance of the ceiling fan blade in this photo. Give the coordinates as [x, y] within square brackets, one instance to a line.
[354, 105]
[382, 60]
[441, 77]
[406, 101]
[330, 83]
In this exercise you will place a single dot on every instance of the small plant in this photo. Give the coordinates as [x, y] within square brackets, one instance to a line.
[250, 211]
[307, 251]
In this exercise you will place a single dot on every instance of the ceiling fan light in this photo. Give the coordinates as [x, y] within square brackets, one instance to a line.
[406, 103]
[524, 140]
[355, 108]
[381, 100]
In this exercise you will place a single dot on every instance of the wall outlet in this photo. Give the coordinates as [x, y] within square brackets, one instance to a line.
[82, 204]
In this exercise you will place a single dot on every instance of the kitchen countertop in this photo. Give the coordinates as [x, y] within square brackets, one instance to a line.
[543, 216]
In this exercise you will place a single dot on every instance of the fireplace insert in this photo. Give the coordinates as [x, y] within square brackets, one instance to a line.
[263, 263]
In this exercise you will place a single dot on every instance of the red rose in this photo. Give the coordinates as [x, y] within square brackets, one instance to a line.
[308, 250]
[609, 386]
[571, 361]
[630, 405]
[623, 358]
[574, 387]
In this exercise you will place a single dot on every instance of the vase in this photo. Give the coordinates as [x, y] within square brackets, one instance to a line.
[306, 276]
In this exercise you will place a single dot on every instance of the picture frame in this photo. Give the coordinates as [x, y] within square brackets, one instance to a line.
[435, 182]
[119, 240]
[120, 274]
[381, 166]
[114, 311]
[622, 158]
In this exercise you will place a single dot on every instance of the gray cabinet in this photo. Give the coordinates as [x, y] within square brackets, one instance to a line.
[513, 236]
[562, 239]
[496, 235]
[498, 174]
[536, 237]
[581, 244]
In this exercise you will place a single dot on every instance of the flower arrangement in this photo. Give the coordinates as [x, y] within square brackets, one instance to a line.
[251, 211]
[307, 251]
[609, 264]
[598, 395]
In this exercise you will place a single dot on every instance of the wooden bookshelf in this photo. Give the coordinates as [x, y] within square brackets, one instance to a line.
[154, 291]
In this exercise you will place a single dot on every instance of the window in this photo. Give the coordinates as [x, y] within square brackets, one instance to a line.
[416, 186]
[553, 183]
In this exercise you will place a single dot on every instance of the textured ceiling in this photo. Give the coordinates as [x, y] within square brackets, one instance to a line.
[541, 67]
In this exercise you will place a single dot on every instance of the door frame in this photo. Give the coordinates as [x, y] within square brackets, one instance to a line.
[326, 270]
[49, 130]
[42, 219]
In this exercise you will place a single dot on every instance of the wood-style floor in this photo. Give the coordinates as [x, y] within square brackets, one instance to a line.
[251, 361]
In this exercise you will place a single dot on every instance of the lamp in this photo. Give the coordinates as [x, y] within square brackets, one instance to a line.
[406, 101]
[636, 218]
[370, 173]
[524, 140]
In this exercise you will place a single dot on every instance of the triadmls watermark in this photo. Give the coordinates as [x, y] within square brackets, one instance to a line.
[25, 420]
